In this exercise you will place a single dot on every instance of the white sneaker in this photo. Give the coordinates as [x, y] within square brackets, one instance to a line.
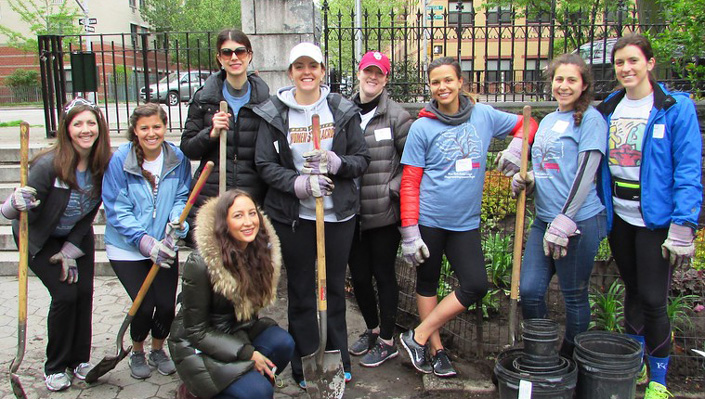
[57, 382]
[82, 370]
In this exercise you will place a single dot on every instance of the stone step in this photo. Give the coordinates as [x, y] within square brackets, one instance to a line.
[99, 218]
[10, 259]
[7, 242]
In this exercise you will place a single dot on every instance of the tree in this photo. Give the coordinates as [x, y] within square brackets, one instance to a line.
[43, 17]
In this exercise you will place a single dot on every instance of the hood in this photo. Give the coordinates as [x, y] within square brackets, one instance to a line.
[286, 95]
[462, 116]
[222, 281]
[212, 89]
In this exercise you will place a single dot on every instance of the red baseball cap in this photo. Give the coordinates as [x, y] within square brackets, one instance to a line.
[375, 58]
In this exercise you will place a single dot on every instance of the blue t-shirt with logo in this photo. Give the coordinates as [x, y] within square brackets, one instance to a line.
[453, 159]
[554, 158]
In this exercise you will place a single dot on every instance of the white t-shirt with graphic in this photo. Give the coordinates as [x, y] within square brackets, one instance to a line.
[626, 139]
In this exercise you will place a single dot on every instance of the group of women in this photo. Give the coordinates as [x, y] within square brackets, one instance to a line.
[385, 181]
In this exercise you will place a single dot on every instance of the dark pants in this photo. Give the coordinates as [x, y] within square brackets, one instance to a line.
[373, 255]
[647, 279]
[275, 344]
[70, 312]
[299, 253]
[464, 253]
[158, 307]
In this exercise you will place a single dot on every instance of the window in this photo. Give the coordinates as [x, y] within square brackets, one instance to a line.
[498, 70]
[133, 3]
[499, 15]
[467, 15]
[534, 70]
[536, 15]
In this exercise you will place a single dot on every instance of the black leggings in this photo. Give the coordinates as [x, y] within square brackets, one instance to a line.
[373, 255]
[464, 253]
[647, 279]
[158, 307]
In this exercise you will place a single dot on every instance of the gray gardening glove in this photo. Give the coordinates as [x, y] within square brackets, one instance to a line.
[160, 252]
[67, 257]
[519, 184]
[555, 241]
[173, 232]
[679, 247]
[413, 248]
[306, 186]
[320, 162]
[509, 161]
[23, 198]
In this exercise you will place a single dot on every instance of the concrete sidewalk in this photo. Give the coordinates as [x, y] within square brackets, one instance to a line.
[394, 379]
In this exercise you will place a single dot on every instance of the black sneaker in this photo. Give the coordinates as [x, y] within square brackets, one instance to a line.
[416, 352]
[363, 344]
[442, 367]
[379, 353]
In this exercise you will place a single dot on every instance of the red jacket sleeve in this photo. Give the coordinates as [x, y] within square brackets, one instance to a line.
[409, 195]
[518, 129]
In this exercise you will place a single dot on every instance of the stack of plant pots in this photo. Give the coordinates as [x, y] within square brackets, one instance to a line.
[537, 367]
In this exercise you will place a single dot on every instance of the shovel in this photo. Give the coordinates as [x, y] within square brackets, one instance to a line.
[109, 362]
[222, 154]
[323, 370]
[519, 231]
[22, 270]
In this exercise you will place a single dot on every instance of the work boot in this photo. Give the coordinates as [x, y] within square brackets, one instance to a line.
[363, 344]
[159, 359]
[139, 368]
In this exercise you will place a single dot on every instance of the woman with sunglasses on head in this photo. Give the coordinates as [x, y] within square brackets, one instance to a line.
[441, 191]
[221, 347]
[373, 255]
[650, 184]
[205, 122]
[570, 220]
[62, 197]
[144, 192]
[297, 173]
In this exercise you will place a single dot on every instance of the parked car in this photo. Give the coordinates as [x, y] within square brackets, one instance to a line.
[174, 87]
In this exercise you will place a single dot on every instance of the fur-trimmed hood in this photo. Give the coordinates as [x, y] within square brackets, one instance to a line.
[222, 281]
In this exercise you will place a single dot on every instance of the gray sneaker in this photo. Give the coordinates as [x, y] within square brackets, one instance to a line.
[160, 360]
[379, 354]
[442, 367]
[363, 344]
[416, 351]
[82, 370]
[57, 382]
[138, 366]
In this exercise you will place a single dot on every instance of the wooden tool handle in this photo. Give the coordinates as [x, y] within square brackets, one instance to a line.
[320, 228]
[223, 153]
[24, 225]
[521, 208]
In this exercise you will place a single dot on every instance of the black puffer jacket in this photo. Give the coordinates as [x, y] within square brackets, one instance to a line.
[196, 142]
[211, 337]
[379, 187]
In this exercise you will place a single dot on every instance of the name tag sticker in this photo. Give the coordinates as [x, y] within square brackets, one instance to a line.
[276, 146]
[524, 389]
[659, 131]
[383, 134]
[463, 165]
[560, 126]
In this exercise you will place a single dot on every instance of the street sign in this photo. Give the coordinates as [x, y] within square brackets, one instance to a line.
[91, 21]
[89, 29]
[434, 8]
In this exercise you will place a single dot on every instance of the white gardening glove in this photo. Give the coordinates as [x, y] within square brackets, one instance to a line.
[679, 247]
[160, 252]
[509, 161]
[306, 186]
[320, 162]
[413, 248]
[67, 257]
[519, 184]
[558, 233]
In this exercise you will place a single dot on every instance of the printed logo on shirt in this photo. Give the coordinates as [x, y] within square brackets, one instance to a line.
[546, 153]
[461, 147]
[626, 138]
[301, 135]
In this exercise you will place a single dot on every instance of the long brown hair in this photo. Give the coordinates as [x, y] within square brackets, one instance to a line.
[582, 103]
[252, 266]
[641, 42]
[235, 35]
[66, 157]
[144, 111]
[439, 62]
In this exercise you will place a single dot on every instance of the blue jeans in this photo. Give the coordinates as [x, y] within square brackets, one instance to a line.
[278, 346]
[573, 272]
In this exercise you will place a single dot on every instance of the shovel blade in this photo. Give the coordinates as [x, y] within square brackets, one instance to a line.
[17, 386]
[108, 363]
[326, 380]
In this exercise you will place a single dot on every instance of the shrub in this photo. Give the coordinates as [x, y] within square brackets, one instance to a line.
[497, 202]
[22, 79]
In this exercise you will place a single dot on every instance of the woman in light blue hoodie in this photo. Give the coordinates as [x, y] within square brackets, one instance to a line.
[297, 173]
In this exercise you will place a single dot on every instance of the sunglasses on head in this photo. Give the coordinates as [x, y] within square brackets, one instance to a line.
[240, 52]
[78, 101]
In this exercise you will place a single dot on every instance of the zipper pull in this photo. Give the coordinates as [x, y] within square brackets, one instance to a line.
[154, 213]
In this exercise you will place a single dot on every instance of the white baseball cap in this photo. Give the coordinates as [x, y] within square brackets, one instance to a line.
[305, 50]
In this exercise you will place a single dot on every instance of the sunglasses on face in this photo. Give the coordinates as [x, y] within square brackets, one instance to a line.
[240, 52]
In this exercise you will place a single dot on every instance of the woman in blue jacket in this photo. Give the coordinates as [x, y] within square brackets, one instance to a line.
[650, 185]
[144, 191]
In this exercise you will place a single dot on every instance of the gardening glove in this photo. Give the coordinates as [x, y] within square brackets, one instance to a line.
[67, 257]
[509, 161]
[23, 198]
[413, 248]
[678, 248]
[160, 252]
[519, 184]
[306, 186]
[555, 241]
[176, 230]
[321, 162]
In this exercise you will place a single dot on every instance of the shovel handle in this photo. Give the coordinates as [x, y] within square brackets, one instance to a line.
[223, 154]
[320, 228]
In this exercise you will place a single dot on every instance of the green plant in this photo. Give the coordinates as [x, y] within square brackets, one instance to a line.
[677, 311]
[497, 202]
[607, 308]
[699, 258]
[497, 249]
[444, 287]
[490, 303]
[22, 78]
[603, 251]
